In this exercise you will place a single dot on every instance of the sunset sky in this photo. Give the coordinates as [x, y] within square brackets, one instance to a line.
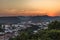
[29, 7]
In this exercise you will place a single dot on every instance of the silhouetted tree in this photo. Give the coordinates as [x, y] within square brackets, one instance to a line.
[54, 25]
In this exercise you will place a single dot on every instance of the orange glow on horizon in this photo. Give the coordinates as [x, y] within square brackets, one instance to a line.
[28, 12]
[51, 14]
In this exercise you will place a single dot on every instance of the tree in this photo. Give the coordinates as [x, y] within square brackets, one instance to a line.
[1, 29]
[54, 25]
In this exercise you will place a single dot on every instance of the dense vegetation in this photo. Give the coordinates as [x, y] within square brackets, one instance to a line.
[52, 33]
[1, 28]
[54, 25]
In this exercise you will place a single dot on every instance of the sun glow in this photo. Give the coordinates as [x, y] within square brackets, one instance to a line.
[30, 7]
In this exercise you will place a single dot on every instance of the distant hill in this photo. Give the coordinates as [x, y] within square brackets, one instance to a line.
[39, 18]
[9, 20]
[18, 19]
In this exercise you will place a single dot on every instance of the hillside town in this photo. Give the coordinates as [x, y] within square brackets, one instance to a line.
[11, 30]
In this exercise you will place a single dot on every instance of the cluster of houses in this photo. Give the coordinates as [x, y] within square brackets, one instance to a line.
[15, 27]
